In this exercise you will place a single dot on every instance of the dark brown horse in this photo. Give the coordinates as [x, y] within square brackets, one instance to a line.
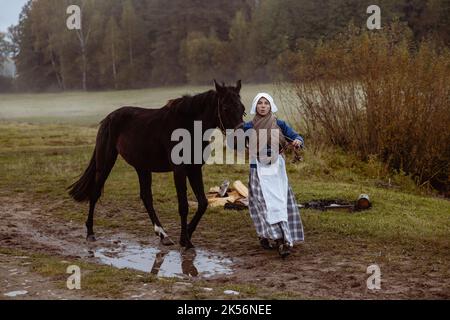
[143, 137]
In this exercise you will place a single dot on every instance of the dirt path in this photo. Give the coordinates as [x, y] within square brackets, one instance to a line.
[323, 267]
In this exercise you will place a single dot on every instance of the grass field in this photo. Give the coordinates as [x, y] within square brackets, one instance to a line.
[46, 141]
[88, 108]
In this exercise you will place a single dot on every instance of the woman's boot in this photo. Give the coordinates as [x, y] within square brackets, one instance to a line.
[283, 248]
[265, 243]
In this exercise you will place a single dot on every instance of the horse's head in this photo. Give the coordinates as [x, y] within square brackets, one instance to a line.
[230, 110]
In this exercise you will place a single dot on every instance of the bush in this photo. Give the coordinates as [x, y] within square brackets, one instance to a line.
[380, 94]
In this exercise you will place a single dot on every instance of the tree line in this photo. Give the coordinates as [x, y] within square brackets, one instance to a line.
[140, 43]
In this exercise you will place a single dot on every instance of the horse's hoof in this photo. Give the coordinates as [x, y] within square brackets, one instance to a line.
[186, 244]
[265, 244]
[190, 250]
[167, 241]
[91, 238]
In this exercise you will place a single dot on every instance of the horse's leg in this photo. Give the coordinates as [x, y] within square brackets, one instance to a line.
[145, 182]
[196, 180]
[100, 179]
[183, 206]
[90, 220]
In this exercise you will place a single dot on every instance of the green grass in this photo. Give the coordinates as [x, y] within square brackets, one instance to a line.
[43, 149]
[30, 162]
[96, 280]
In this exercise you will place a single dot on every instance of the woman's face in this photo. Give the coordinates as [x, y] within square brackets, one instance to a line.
[263, 106]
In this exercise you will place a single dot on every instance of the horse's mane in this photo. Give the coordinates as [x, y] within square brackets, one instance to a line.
[191, 105]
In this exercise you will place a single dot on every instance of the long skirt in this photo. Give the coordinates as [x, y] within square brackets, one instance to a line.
[291, 231]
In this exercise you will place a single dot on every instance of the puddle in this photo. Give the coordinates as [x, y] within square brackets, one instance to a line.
[165, 263]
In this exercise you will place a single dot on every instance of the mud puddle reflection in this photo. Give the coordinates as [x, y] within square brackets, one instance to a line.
[164, 263]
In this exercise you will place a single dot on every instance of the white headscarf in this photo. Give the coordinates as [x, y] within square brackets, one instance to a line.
[269, 98]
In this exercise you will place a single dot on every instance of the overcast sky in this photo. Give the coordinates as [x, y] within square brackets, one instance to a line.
[9, 12]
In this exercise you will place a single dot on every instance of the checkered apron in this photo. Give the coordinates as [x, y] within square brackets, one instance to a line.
[291, 231]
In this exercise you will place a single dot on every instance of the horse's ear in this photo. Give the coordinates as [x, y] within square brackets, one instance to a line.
[239, 86]
[219, 88]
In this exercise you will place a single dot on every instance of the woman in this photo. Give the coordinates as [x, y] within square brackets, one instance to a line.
[272, 203]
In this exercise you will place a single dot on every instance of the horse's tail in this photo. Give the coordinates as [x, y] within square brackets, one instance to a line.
[81, 190]
[85, 188]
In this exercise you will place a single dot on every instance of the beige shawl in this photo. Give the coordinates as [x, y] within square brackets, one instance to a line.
[267, 130]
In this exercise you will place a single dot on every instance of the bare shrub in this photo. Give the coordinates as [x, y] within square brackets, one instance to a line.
[379, 94]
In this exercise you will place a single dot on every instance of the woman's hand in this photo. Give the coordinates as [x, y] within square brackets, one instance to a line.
[297, 143]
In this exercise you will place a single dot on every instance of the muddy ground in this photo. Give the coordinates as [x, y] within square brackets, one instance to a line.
[322, 267]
